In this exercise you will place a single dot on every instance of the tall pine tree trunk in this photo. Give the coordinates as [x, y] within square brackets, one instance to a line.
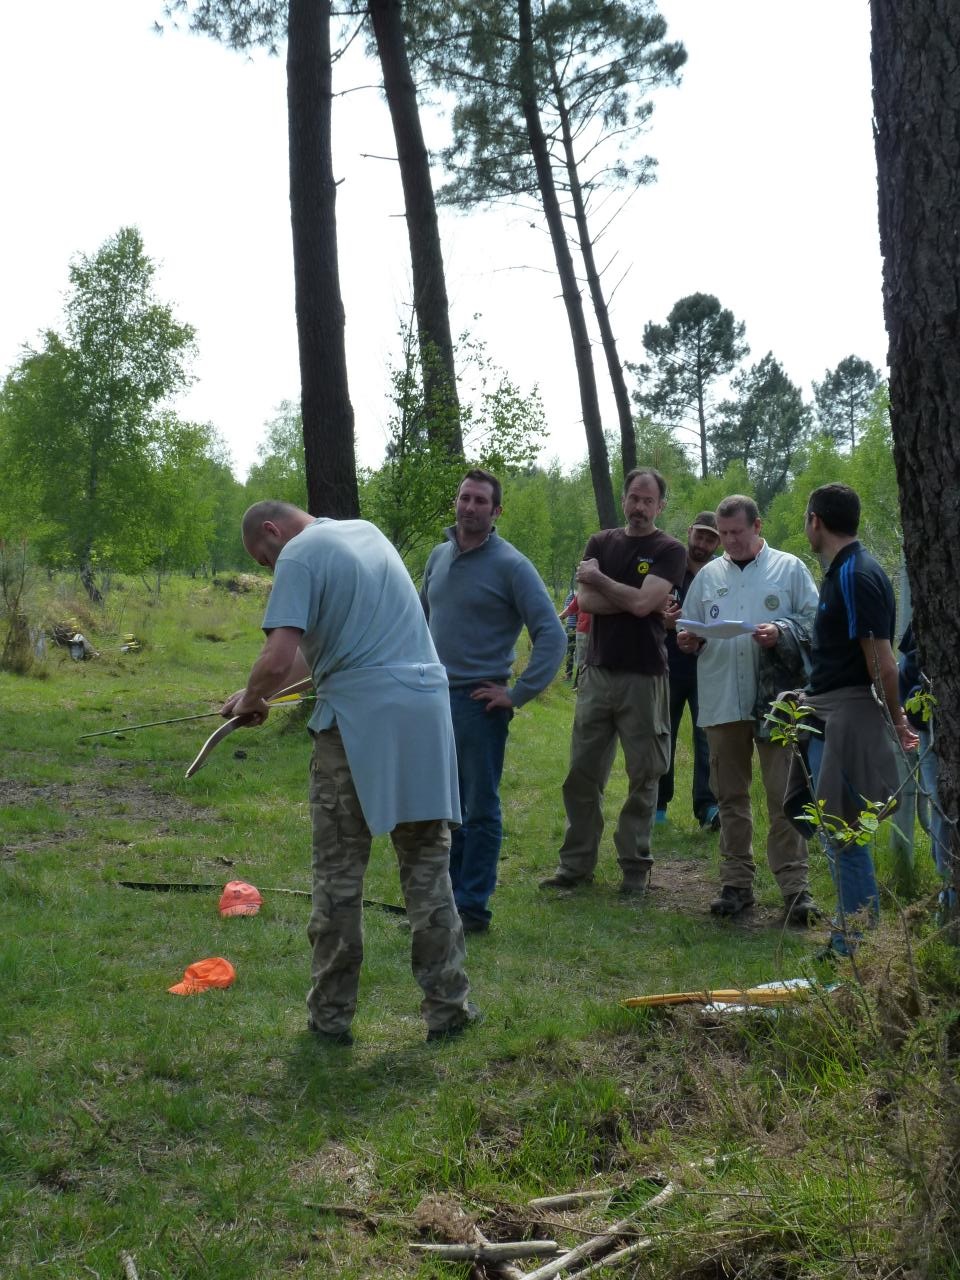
[621, 396]
[916, 97]
[582, 351]
[426, 256]
[327, 412]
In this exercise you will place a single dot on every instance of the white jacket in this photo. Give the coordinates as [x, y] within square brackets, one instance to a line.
[775, 585]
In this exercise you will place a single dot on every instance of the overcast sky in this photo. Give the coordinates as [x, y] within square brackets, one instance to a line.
[766, 197]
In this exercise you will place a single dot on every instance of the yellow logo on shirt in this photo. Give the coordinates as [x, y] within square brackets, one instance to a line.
[643, 567]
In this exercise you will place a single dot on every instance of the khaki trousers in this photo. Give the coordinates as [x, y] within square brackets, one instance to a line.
[731, 773]
[341, 851]
[633, 709]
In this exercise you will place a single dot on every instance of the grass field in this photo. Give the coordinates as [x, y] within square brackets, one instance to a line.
[212, 1137]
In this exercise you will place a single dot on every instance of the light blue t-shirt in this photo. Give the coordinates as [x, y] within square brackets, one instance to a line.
[374, 667]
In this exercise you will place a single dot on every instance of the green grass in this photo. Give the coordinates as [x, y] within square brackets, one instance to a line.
[207, 1135]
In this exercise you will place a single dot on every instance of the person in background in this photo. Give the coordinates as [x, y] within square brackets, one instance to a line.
[623, 693]
[478, 593]
[853, 690]
[773, 590]
[702, 542]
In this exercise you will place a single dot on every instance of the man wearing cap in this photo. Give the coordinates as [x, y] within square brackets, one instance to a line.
[702, 542]
[624, 581]
[478, 592]
[772, 590]
[344, 612]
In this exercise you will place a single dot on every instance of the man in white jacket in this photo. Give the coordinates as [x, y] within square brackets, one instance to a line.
[753, 583]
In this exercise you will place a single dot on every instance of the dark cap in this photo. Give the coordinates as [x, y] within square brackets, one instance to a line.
[706, 521]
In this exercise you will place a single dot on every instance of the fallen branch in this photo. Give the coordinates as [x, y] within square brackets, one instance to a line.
[505, 1269]
[614, 1259]
[599, 1244]
[502, 1252]
[572, 1198]
[129, 1266]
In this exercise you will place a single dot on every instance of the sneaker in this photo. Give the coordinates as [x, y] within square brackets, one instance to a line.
[475, 924]
[801, 910]
[469, 1018]
[731, 901]
[634, 886]
[342, 1038]
[660, 817]
[711, 819]
[564, 880]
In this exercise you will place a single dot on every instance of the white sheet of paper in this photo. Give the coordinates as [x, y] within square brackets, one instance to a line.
[716, 630]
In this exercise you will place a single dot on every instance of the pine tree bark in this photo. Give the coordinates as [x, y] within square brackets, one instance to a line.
[582, 350]
[426, 256]
[916, 97]
[331, 470]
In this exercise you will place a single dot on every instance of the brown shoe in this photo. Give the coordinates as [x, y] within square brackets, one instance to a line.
[801, 910]
[634, 886]
[564, 880]
[731, 901]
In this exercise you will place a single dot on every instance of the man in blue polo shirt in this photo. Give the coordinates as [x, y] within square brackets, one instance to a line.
[853, 660]
[478, 593]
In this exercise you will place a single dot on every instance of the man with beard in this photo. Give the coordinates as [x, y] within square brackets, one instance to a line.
[624, 581]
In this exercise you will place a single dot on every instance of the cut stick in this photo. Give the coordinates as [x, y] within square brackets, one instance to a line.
[572, 1198]
[129, 1266]
[599, 1244]
[614, 1259]
[505, 1251]
[506, 1270]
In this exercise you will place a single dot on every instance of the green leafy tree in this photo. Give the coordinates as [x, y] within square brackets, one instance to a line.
[281, 470]
[410, 496]
[700, 343]
[79, 411]
[764, 428]
[845, 398]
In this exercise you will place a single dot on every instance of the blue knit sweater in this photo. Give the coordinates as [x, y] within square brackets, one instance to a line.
[476, 603]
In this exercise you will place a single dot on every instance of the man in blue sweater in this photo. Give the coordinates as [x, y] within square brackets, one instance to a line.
[478, 592]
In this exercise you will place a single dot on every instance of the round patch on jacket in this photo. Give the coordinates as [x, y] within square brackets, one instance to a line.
[771, 602]
[643, 566]
[714, 611]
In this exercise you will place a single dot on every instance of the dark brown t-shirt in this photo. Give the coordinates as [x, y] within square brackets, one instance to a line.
[620, 640]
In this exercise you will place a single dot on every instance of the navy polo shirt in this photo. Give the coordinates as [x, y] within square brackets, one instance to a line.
[856, 602]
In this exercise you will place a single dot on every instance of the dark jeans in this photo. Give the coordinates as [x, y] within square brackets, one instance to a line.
[481, 738]
[683, 692]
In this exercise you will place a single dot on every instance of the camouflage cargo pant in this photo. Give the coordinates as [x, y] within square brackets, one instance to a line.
[341, 851]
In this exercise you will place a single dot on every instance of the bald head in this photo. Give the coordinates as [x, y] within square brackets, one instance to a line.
[268, 526]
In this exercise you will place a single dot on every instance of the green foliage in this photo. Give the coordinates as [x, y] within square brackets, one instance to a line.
[281, 471]
[106, 475]
[593, 67]
[410, 496]
[764, 427]
[845, 398]
[700, 342]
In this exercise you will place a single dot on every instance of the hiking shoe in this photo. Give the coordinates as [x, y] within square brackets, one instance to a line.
[801, 910]
[634, 886]
[475, 924]
[470, 1016]
[660, 817]
[564, 880]
[341, 1038]
[731, 901]
[711, 819]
